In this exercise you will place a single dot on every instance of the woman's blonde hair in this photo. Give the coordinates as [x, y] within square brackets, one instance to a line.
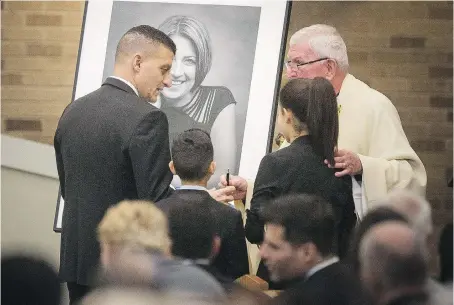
[135, 223]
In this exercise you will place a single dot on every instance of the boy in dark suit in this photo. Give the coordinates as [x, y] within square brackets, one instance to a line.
[298, 248]
[192, 160]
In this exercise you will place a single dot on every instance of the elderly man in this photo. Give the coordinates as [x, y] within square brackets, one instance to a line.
[393, 265]
[418, 212]
[373, 147]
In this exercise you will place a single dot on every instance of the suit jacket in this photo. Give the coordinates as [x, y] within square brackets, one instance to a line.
[110, 145]
[298, 169]
[334, 284]
[165, 275]
[232, 260]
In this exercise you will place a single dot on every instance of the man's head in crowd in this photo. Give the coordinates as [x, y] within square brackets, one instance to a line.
[374, 217]
[299, 233]
[393, 262]
[415, 208]
[192, 157]
[318, 51]
[193, 232]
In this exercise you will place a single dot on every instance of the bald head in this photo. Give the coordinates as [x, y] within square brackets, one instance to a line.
[392, 235]
[392, 258]
[414, 207]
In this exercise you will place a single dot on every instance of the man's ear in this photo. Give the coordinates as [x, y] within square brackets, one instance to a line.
[307, 251]
[172, 168]
[331, 67]
[136, 62]
[212, 168]
[288, 115]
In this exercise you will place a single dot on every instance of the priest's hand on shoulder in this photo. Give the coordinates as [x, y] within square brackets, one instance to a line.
[348, 161]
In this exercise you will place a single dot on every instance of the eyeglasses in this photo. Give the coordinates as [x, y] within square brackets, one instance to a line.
[293, 65]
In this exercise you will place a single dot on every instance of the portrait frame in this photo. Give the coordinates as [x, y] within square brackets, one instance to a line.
[265, 80]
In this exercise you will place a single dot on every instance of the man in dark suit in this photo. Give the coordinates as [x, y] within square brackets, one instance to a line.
[192, 160]
[298, 248]
[110, 145]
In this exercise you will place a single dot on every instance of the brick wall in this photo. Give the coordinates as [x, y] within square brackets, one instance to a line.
[403, 49]
[40, 41]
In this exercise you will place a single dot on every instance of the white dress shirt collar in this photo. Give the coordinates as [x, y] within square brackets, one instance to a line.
[192, 187]
[127, 83]
[322, 265]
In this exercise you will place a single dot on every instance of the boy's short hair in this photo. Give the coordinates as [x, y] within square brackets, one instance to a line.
[192, 154]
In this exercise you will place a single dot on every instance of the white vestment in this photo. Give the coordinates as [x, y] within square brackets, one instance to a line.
[369, 125]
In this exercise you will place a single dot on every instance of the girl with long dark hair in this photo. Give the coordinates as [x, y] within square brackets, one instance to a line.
[308, 119]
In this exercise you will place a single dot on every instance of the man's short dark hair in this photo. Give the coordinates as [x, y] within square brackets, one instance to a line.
[143, 33]
[192, 229]
[192, 154]
[305, 218]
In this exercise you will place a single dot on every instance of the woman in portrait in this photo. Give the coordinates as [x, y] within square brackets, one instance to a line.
[187, 103]
[307, 118]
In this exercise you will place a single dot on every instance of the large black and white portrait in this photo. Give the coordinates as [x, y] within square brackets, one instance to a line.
[211, 72]
[226, 70]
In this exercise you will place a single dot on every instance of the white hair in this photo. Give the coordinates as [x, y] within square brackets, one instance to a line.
[415, 208]
[325, 41]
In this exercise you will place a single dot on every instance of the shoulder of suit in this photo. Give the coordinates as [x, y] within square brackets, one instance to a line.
[147, 115]
[275, 159]
[287, 154]
[162, 204]
[228, 210]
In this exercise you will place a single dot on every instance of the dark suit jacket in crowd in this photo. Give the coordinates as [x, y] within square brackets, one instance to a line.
[334, 284]
[298, 169]
[232, 260]
[110, 145]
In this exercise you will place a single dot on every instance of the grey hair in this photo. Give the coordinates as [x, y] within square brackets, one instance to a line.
[415, 208]
[325, 41]
[390, 265]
